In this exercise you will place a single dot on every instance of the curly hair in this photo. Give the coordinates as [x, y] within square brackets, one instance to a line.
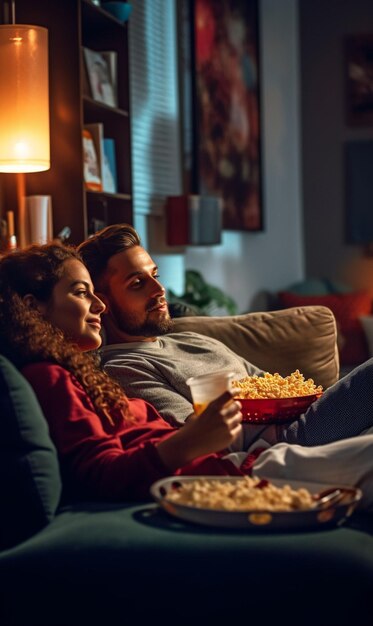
[26, 336]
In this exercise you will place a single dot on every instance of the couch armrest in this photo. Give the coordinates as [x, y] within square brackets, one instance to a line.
[303, 338]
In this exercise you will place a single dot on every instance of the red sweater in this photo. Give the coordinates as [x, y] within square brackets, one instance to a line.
[97, 460]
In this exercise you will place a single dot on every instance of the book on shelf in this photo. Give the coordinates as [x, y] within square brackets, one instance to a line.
[93, 156]
[102, 75]
[105, 159]
[109, 173]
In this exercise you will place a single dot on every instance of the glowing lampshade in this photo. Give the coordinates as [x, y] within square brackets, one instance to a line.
[24, 101]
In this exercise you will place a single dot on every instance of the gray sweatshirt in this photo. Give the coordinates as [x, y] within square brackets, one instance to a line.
[157, 371]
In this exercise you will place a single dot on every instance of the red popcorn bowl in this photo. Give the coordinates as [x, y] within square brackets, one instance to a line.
[275, 410]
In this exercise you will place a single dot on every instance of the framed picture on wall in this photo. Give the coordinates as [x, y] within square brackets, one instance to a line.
[358, 51]
[225, 106]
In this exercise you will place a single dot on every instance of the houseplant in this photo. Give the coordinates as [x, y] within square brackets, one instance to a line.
[201, 298]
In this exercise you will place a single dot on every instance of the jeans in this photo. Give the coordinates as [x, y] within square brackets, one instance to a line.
[343, 411]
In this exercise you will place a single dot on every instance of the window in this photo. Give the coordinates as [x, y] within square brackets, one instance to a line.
[155, 119]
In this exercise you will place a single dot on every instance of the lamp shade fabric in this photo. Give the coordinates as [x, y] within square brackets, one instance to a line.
[24, 102]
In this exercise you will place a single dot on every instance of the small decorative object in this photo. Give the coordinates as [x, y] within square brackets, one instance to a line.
[359, 80]
[96, 224]
[11, 240]
[109, 170]
[39, 219]
[64, 234]
[120, 10]
[100, 77]
[92, 172]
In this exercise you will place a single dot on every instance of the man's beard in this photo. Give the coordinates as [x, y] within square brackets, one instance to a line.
[129, 323]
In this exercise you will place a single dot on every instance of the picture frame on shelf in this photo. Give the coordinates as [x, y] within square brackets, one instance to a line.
[111, 58]
[109, 170]
[86, 87]
[358, 53]
[96, 224]
[92, 161]
[102, 84]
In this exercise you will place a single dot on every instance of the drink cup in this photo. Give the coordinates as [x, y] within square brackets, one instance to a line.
[207, 387]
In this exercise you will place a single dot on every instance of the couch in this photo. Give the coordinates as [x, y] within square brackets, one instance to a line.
[101, 563]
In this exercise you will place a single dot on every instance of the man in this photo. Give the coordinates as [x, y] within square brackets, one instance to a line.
[137, 314]
[153, 363]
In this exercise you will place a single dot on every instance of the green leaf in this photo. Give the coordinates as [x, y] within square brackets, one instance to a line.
[203, 296]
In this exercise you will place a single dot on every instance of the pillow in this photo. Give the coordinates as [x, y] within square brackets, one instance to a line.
[347, 308]
[320, 286]
[277, 341]
[30, 482]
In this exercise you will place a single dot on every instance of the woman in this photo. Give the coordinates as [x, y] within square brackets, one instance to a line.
[110, 447]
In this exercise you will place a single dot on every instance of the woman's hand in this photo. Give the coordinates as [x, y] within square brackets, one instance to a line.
[217, 426]
[213, 430]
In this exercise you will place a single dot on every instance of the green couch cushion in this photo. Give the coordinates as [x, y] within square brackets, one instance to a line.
[132, 564]
[30, 482]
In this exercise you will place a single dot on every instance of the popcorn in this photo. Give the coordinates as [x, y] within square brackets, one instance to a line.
[245, 494]
[275, 386]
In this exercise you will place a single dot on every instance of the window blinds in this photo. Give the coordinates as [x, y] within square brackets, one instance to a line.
[155, 119]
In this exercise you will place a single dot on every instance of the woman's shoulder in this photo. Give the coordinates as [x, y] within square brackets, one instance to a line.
[44, 372]
[48, 378]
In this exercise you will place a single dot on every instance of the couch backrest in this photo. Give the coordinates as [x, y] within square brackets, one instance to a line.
[303, 338]
[30, 482]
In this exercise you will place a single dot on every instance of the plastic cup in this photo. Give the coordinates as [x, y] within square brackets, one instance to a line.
[207, 387]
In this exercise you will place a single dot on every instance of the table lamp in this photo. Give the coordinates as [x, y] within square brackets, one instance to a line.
[24, 102]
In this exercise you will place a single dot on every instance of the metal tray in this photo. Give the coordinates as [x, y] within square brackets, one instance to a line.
[316, 518]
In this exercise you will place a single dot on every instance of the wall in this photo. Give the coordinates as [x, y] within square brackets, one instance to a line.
[247, 265]
[323, 26]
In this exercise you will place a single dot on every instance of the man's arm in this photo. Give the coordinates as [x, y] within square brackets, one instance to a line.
[146, 383]
[158, 373]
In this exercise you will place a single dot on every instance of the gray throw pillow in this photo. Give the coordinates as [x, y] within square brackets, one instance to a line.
[30, 482]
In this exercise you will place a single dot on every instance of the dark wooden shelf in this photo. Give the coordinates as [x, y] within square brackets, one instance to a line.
[113, 196]
[96, 106]
[72, 25]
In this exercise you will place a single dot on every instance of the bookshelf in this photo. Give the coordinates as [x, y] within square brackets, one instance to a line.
[73, 25]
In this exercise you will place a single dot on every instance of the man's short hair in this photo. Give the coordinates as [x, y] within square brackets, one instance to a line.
[98, 249]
